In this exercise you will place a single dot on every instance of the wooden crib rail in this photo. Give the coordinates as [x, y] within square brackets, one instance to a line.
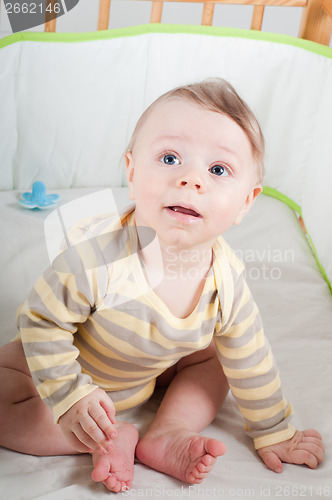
[208, 7]
[316, 20]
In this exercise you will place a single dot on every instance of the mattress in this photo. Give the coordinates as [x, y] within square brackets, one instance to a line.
[296, 306]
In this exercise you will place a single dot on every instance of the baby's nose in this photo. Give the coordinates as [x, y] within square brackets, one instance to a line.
[191, 180]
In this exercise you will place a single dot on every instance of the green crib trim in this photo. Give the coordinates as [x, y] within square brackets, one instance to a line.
[34, 36]
[274, 193]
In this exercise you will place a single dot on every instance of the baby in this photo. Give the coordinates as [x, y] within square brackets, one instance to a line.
[176, 312]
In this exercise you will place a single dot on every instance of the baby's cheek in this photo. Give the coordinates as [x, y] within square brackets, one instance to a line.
[150, 188]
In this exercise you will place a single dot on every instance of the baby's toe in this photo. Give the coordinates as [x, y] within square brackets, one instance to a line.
[202, 469]
[112, 483]
[208, 461]
[101, 470]
[197, 474]
[126, 485]
[194, 479]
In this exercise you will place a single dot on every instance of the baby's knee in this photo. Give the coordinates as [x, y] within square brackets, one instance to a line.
[12, 356]
[16, 381]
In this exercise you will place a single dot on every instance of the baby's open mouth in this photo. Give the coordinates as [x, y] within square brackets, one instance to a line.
[184, 210]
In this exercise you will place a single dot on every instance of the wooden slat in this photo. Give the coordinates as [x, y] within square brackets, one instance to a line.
[316, 23]
[257, 17]
[104, 14]
[327, 6]
[50, 25]
[156, 11]
[207, 16]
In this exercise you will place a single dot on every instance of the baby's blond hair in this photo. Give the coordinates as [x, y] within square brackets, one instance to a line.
[220, 96]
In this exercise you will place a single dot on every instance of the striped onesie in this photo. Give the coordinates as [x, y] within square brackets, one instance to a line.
[92, 320]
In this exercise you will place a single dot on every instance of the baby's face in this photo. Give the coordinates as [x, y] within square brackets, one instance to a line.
[191, 174]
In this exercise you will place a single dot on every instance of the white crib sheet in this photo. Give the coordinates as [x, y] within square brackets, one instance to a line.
[296, 306]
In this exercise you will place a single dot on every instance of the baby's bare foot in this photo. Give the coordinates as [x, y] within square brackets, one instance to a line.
[116, 469]
[180, 453]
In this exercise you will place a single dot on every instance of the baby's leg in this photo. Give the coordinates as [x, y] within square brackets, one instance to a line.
[26, 423]
[173, 444]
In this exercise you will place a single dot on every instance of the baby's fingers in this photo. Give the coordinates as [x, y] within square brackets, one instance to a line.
[312, 433]
[271, 460]
[314, 448]
[91, 434]
[304, 457]
[99, 415]
[88, 444]
[109, 409]
[77, 443]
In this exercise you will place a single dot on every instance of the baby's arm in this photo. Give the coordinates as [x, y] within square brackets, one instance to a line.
[89, 424]
[304, 447]
[48, 320]
[254, 379]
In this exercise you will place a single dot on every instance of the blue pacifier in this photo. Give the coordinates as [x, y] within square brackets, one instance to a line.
[38, 198]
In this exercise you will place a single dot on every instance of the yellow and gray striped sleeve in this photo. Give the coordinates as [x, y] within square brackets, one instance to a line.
[47, 322]
[248, 363]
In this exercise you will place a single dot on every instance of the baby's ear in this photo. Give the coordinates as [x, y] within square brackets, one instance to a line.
[130, 173]
[248, 203]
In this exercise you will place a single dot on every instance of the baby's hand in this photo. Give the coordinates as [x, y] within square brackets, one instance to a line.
[304, 447]
[89, 424]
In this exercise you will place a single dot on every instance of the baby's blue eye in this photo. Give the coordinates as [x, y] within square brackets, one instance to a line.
[170, 160]
[219, 170]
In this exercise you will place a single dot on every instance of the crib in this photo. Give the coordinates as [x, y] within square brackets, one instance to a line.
[69, 102]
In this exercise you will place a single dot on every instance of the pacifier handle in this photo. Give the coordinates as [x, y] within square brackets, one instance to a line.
[38, 190]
